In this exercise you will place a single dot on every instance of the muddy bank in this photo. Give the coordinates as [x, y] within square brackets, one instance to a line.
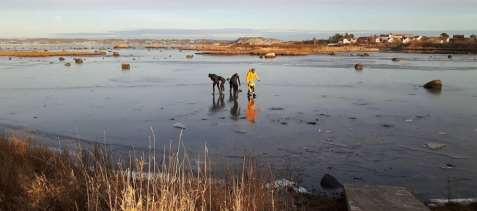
[45, 53]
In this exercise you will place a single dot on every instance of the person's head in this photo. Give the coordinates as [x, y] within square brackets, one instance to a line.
[253, 70]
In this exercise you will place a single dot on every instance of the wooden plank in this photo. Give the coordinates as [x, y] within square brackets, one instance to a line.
[381, 198]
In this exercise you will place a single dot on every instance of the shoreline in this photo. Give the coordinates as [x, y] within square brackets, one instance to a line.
[45, 53]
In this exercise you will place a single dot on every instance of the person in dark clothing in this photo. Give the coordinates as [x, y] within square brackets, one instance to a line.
[234, 82]
[217, 81]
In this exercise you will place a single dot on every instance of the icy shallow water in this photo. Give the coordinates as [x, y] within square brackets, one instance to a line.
[371, 126]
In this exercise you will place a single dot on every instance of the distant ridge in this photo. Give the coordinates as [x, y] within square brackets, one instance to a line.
[256, 41]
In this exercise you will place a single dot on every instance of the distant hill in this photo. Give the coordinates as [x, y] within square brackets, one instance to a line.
[256, 41]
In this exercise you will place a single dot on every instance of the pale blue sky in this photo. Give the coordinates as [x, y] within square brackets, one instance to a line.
[42, 18]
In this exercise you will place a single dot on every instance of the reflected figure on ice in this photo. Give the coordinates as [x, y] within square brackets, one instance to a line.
[251, 110]
[235, 110]
[219, 104]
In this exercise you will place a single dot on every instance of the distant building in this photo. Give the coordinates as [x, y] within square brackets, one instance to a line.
[363, 40]
[346, 41]
[407, 40]
[458, 39]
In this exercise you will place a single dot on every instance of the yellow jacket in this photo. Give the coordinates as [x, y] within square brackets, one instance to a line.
[252, 77]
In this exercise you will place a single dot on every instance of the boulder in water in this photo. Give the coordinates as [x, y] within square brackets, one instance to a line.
[116, 54]
[433, 85]
[190, 56]
[78, 61]
[270, 55]
[61, 59]
[330, 182]
[358, 67]
[396, 59]
[68, 64]
[125, 66]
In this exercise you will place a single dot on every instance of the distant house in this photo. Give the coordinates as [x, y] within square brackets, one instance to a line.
[382, 39]
[346, 41]
[458, 39]
[363, 40]
[407, 40]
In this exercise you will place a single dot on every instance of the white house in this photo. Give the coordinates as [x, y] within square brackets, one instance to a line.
[407, 40]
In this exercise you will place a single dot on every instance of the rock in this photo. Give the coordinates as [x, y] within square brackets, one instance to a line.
[125, 66]
[364, 54]
[68, 64]
[61, 59]
[121, 45]
[435, 146]
[330, 182]
[10, 58]
[240, 131]
[270, 55]
[116, 54]
[78, 61]
[179, 125]
[190, 56]
[277, 109]
[434, 85]
[332, 54]
[449, 56]
[288, 185]
[358, 67]
[311, 123]
[396, 59]
[387, 125]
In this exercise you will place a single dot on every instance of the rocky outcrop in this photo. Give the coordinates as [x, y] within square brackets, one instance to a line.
[433, 85]
[121, 45]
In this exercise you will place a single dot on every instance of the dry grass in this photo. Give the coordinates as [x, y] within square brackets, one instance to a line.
[37, 178]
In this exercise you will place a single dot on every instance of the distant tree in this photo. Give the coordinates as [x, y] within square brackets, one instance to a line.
[339, 37]
[445, 35]
[335, 38]
[473, 36]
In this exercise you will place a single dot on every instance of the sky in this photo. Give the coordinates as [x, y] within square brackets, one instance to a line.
[53, 18]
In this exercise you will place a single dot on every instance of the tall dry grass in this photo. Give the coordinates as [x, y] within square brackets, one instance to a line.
[37, 178]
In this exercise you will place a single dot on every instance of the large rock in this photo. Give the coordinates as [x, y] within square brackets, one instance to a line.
[330, 182]
[359, 67]
[125, 66]
[434, 85]
[270, 55]
[121, 45]
[78, 61]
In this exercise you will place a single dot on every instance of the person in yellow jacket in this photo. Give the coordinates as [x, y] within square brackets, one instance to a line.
[252, 77]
